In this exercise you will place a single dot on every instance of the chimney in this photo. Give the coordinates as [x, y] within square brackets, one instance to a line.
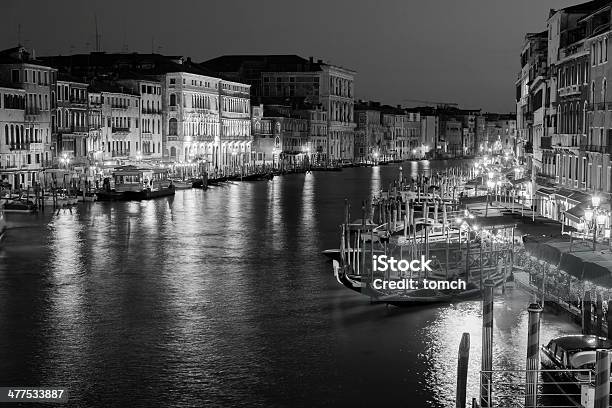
[320, 61]
[311, 59]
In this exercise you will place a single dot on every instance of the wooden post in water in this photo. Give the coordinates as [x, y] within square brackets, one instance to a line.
[602, 379]
[462, 370]
[599, 314]
[586, 313]
[609, 319]
[533, 356]
[487, 345]
[481, 244]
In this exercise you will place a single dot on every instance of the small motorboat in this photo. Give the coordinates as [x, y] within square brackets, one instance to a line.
[571, 360]
[182, 184]
[19, 206]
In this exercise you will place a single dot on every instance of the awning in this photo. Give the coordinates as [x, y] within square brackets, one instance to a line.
[546, 192]
[564, 151]
[576, 197]
[577, 212]
[571, 264]
[523, 180]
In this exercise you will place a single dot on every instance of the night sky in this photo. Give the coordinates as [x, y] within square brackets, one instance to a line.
[463, 51]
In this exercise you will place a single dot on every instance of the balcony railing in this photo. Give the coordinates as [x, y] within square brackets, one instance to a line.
[151, 111]
[32, 111]
[115, 106]
[81, 129]
[19, 146]
[596, 148]
[121, 130]
[37, 147]
[78, 100]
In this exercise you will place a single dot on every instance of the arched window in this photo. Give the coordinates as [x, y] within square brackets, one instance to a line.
[172, 100]
[593, 92]
[172, 127]
[603, 90]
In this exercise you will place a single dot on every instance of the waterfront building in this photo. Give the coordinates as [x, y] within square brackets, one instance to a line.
[281, 135]
[204, 118]
[500, 133]
[96, 144]
[595, 148]
[12, 124]
[70, 125]
[299, 80]
[150, 128]
[29, 141]
[562, 111]
[533, 66]
[120, 122]
[235, 115]
[369, 131]
[317, 134]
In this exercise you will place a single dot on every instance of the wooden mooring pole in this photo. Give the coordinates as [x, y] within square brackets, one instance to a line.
[487, 345]
[602, 379]
[462, 370]
[599, 314]
[609, 319]
[586, 313]
[533, 356]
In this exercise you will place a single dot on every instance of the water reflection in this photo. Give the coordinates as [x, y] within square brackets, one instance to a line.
[221, 298]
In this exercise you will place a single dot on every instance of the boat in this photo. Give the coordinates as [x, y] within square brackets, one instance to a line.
[182, 184]
[19, 206]
[571, 360]
[143, 183]
[89, 197]
[258, 177]
[60, 199]
[109, 195]
[335, 253]
[411, 297]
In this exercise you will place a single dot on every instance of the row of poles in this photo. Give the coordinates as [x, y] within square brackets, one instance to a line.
[486, 378]
[602, 363]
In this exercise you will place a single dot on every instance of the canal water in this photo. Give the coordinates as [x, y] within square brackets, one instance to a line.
[221, 298]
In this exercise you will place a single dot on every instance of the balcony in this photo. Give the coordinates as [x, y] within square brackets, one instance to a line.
[122, 107]
[32, 111]
[80, 129]
[596, 148]
[151, 111]
[78, 101]
[22, 146]
[37, 147]
[121, 130]
[570, 90]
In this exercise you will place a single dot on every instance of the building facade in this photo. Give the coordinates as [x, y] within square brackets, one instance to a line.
[32, 149]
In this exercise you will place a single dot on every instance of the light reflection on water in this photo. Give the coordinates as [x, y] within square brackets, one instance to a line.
[220, 298]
